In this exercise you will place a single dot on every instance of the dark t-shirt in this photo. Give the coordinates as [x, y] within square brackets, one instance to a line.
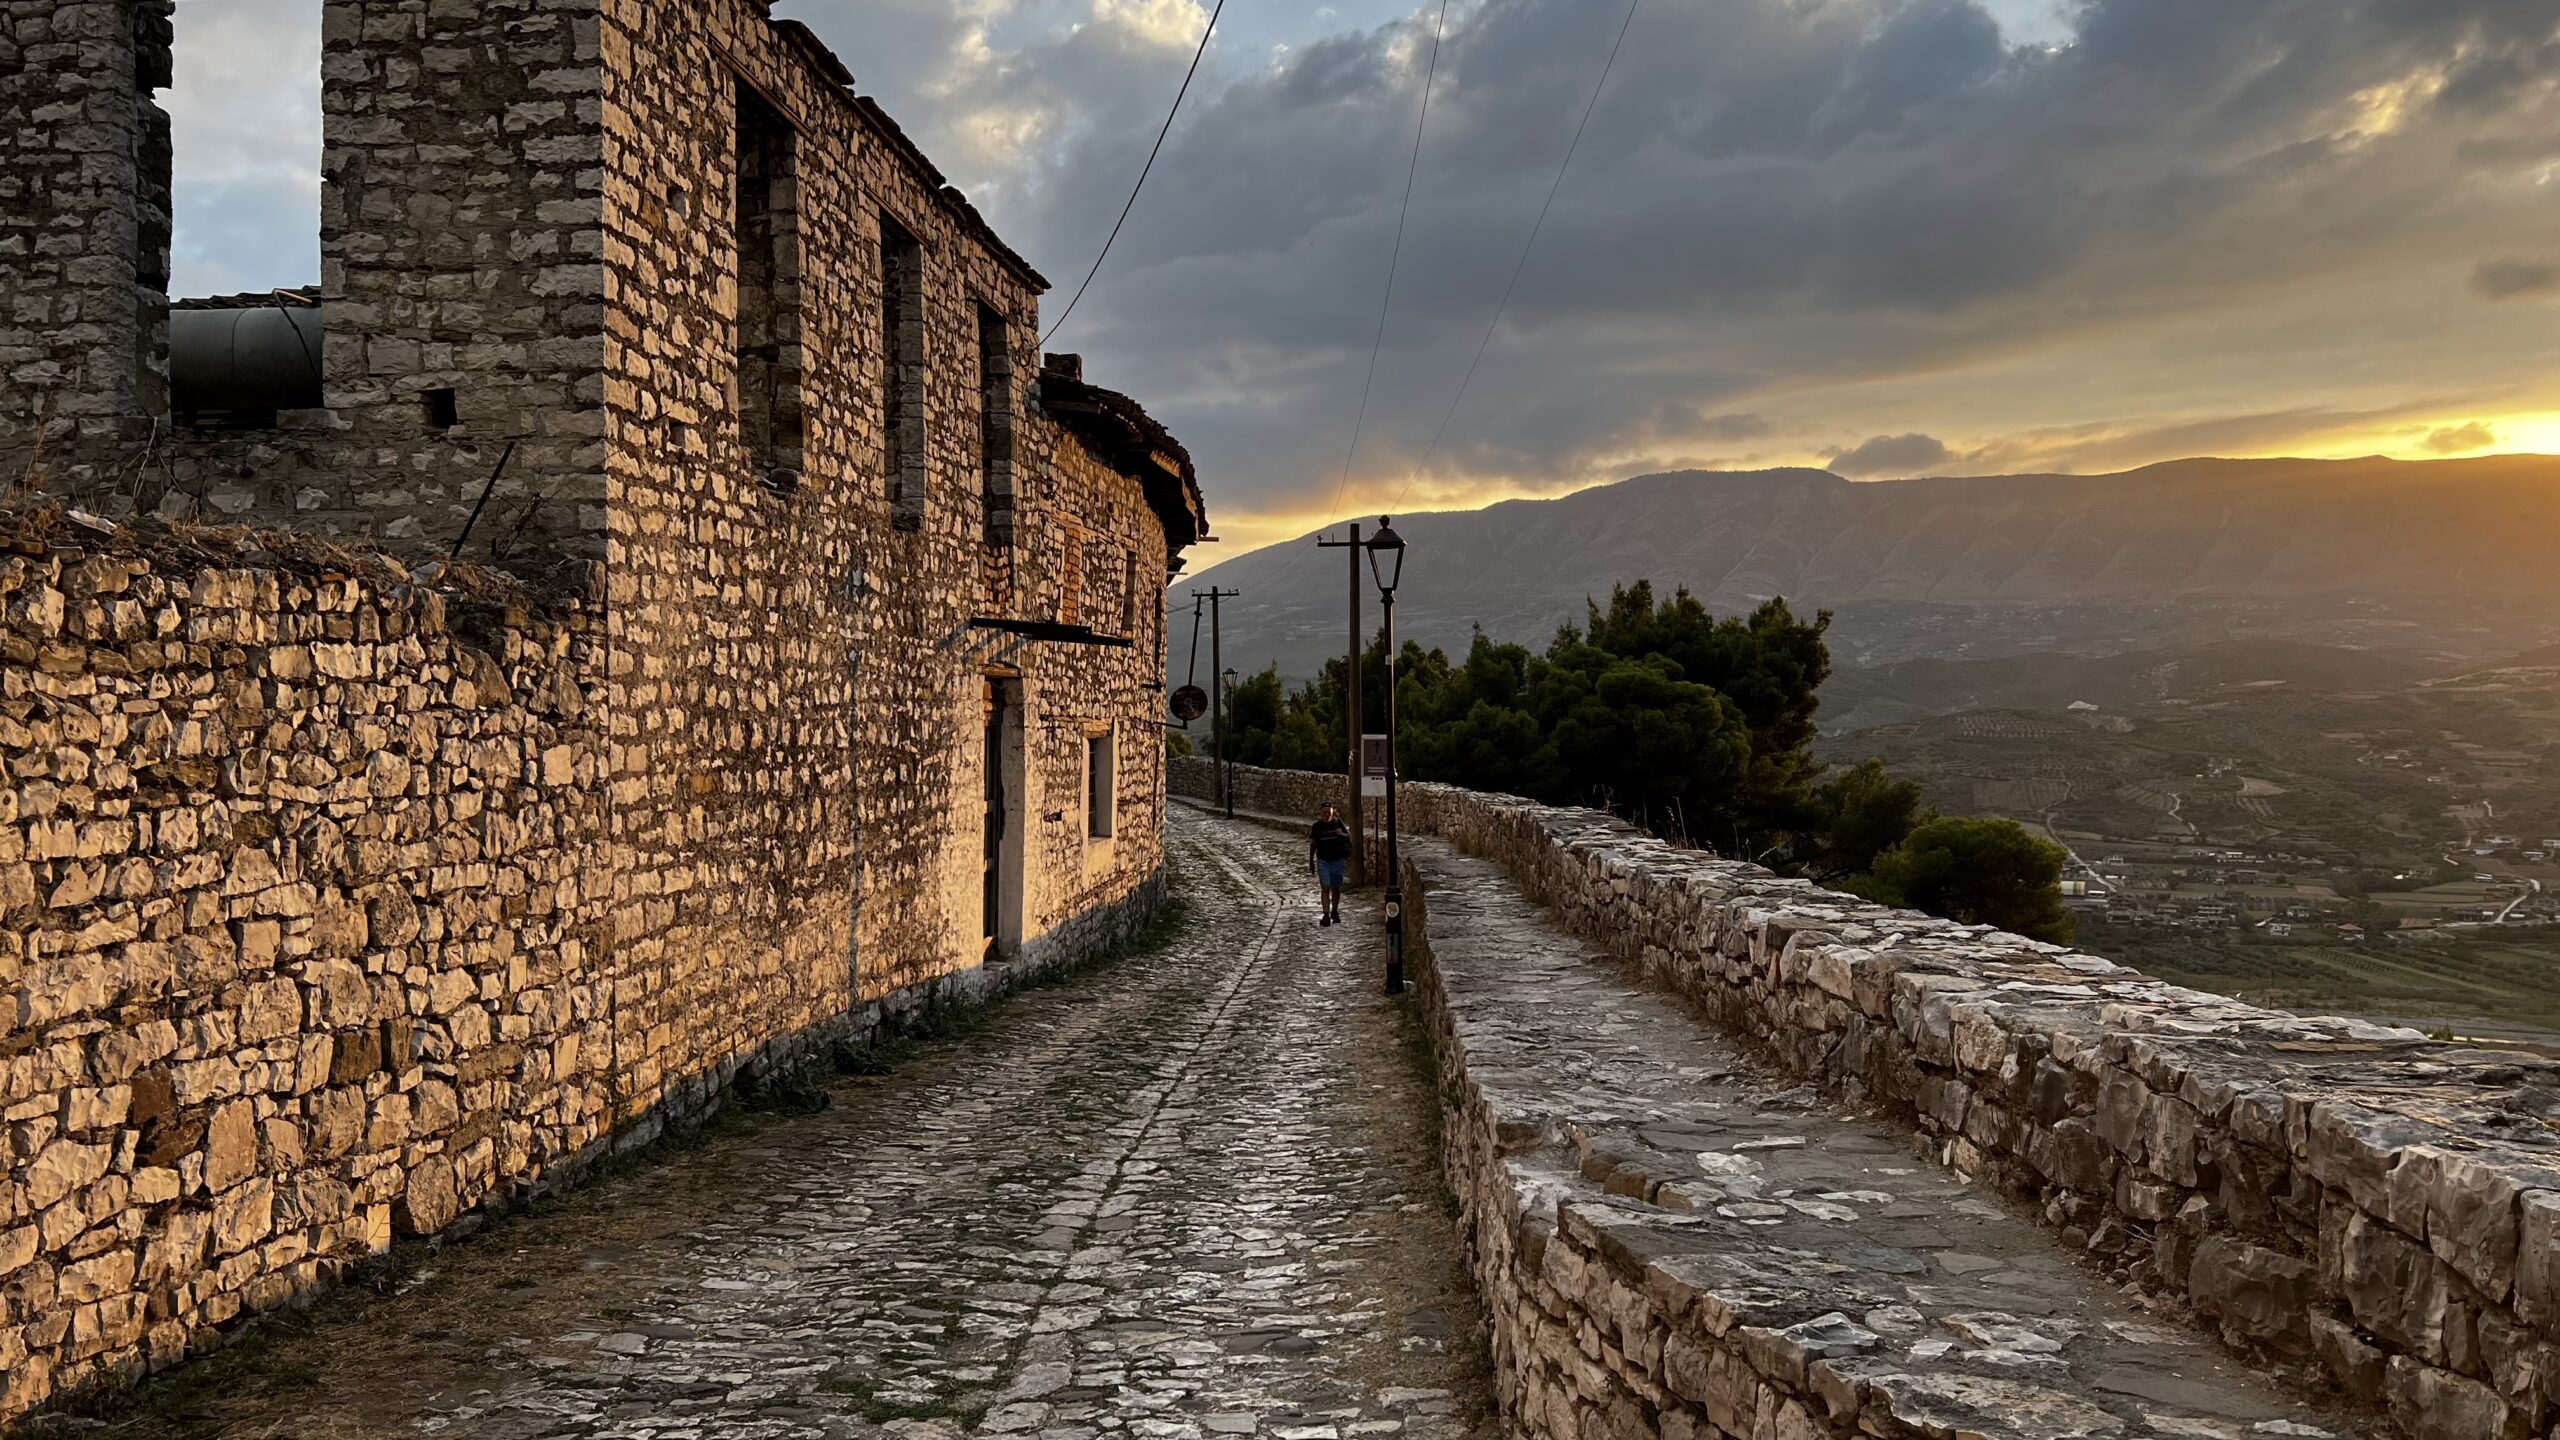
[1332, 840]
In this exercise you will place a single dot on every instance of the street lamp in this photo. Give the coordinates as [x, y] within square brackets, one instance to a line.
[1386, 565]
[1227, 752]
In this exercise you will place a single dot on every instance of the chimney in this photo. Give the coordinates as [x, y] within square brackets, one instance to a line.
[1066, 367]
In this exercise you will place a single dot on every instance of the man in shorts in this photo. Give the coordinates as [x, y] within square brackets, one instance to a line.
[1329, 849]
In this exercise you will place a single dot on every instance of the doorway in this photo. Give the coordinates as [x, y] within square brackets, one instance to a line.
[1000, 916]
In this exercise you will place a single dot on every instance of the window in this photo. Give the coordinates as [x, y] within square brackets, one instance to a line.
[995, 423]
[768, 329]
[444, 411]
[1129, 595]
[1071, 557]
[902, 373]
[1101, 795]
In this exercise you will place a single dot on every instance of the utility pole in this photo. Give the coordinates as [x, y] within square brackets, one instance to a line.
[1218, 703]
[1351, 710]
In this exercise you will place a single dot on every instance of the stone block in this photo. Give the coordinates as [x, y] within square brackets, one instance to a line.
[2433, 1404]
[2256, 1294]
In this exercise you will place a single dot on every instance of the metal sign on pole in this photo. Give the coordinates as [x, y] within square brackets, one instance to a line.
[1373, 765]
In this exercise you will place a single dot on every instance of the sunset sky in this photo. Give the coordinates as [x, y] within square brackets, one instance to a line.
[1894, 238]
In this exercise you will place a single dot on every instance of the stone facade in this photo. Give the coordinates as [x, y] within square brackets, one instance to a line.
[2345, 1196]
[844, 697]
[84, 232]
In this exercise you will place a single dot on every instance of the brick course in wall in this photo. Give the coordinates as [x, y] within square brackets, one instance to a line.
[2327, 1192]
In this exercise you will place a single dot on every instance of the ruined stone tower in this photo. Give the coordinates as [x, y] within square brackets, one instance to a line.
[84, 230]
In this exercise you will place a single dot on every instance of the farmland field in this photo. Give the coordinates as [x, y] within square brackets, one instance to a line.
[2505, 988]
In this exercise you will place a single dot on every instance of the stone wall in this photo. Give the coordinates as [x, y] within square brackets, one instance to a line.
[463, 181]
[834, 612]
[336, 910]
[2344, 1195]
[307, 894]
[84, 232]
[760, 811]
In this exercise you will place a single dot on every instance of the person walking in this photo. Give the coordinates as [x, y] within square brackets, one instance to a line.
[1329, 850]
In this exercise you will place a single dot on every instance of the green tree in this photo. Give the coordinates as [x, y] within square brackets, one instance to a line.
[1978, 871]
[1864, 812]
[1646, 741]
[1251, 719]
[1769, 668]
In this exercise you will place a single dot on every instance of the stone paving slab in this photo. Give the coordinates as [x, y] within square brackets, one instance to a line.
[1675, 1239]
[1193, 1195]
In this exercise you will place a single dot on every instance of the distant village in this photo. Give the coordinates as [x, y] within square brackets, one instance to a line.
[2279, 895]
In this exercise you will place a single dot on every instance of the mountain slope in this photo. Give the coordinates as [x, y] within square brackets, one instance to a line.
[2451, 558]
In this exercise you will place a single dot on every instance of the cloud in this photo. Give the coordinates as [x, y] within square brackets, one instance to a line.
[2066, 222]
[2460, 439]
[1893, 456]
[2507, 279]
[245, 124]
[1732, 427]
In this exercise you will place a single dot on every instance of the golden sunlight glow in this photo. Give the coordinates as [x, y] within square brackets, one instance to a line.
[1171, 23]
[2527, 434]
[2382, 110]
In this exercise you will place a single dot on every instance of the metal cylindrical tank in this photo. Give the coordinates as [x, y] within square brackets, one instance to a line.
[250, 359]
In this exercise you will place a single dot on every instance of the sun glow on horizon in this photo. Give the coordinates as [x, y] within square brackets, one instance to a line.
[2527, 433]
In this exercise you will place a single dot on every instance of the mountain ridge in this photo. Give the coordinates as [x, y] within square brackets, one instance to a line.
[2450, 555]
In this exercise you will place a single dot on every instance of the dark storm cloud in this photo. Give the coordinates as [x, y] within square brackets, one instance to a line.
[2507, 279]
[1892, 457]
[1783, 210]
[1772, 193]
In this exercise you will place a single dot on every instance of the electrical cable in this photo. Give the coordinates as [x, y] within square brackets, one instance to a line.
[1395, 256]
[1149, 169]
[1522, 266]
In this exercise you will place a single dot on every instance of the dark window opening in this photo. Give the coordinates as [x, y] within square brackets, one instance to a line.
[995, 423]
[444, 410]
[770, 423]
[1101, 795]
[902, 376]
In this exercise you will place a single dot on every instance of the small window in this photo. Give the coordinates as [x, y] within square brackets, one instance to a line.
[444, 410]
[766, 221]
[1101, 793]
[902, 373]
[1129, 595]
[995, 424]
[1071, 557]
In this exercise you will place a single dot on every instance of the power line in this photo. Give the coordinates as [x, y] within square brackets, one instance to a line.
[1395, 256]
[1143, 173]
[1518, 269]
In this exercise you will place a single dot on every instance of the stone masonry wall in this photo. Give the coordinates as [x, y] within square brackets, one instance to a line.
[84, 232]
[806, 648]
[460, 249]
[300, 869]
[329, 921]
[2344, 1195]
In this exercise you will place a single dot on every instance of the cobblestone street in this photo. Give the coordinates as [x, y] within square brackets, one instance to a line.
[1194, 1194]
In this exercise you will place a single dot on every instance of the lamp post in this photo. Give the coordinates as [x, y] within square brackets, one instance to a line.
[1386, 566]
[1227, 752]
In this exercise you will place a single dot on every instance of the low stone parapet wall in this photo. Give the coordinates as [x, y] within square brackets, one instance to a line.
[1676, 1238]
[2349, 1196]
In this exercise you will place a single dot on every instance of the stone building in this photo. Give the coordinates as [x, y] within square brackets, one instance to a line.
[342, 900]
